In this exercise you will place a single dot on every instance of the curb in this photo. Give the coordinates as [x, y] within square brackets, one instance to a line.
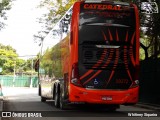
[148, 106]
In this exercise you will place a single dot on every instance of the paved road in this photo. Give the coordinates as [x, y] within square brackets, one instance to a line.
[25, 102]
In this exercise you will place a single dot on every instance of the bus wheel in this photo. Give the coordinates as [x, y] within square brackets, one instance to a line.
[63, 105]
[43, 99]
[56, 100]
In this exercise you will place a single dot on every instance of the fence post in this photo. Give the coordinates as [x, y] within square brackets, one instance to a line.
[14, 74]
[31, 83]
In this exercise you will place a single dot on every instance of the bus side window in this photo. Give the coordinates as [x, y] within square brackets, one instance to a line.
[66, 22]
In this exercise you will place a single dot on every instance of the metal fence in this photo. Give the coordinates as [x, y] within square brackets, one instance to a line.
[18, 81]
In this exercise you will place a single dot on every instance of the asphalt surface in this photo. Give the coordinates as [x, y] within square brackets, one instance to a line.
[27, 101]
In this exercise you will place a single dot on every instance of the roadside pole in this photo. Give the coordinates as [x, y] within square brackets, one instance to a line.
[31, 74]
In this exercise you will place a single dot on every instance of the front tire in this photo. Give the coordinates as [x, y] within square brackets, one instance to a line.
[63, 105]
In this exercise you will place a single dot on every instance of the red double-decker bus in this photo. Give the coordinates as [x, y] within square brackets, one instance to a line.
[96, 60]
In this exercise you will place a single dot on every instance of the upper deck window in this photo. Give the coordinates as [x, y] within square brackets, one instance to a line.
[107, 15]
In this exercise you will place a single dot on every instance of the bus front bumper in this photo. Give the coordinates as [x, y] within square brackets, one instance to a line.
[82, 95]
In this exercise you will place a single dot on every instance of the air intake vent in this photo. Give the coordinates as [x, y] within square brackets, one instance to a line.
[88, 54]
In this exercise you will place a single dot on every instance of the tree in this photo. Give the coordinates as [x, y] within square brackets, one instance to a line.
[8, 58]
[9, 61]
[4, 5]
[151, 34]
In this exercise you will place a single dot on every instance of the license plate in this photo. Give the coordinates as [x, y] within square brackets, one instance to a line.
[107, 98]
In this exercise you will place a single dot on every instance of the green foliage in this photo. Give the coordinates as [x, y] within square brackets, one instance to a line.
[5, 5]
[7, 58]
[9, 61]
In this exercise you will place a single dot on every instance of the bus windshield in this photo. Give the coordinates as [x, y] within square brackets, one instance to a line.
[122, 18]
[94, 23]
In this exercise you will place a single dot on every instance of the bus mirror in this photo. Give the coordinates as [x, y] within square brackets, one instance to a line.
[36, 66]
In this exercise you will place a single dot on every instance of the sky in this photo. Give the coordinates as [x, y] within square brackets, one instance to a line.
[22, 24]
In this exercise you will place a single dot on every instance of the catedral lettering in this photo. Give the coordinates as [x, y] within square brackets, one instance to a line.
[96, 60]
[102, 7]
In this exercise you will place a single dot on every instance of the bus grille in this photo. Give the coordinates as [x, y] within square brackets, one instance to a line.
[94, 58]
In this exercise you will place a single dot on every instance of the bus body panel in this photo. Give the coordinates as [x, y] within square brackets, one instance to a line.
[94, 74]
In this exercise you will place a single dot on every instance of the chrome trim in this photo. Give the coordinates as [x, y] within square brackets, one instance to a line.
[107, 46]
[93, 1]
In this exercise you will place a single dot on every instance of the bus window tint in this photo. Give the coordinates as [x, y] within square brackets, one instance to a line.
[124, 18]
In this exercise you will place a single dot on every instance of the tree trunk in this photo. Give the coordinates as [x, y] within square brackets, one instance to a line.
[145, 51]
